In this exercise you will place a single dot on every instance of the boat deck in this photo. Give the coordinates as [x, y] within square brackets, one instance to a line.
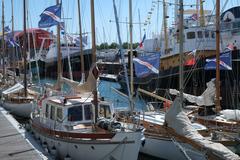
[14, 142]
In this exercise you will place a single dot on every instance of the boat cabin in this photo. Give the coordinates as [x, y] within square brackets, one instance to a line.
[67, 112]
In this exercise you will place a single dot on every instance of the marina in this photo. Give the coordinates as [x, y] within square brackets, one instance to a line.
[77, 83]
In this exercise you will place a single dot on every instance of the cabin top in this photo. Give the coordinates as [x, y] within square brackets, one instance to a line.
[68, 101]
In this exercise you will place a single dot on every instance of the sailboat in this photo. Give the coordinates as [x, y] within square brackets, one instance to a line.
[172, 135]
[16, 99]
[82, 126]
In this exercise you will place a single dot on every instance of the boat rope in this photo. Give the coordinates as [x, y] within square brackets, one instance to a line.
[115, 148]
[179, 146]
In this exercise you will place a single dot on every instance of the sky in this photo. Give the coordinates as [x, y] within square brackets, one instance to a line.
[149, 11]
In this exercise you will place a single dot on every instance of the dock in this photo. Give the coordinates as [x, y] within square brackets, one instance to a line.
[15, 142]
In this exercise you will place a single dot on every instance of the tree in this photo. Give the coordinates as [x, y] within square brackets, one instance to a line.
[113, 45]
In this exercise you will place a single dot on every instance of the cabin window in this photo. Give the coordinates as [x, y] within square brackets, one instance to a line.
[59, 114]
[47, 111]
[190, 35]
[88, 112]
[105, 111]
[213, 35]
[206, 34]
[52, 115]
[200, 34]
[75, 114]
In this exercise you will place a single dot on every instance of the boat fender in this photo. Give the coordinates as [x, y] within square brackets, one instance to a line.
[166, 105]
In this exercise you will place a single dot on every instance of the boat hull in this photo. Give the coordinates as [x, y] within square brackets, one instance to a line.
[123, 145]
[163, 147]
[19, 109]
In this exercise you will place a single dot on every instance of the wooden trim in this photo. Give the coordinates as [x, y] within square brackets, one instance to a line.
[63, 134]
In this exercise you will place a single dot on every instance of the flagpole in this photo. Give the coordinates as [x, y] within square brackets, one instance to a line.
[59, 66]
[218, 106]
[131, 55]
[3, 42]
[81, 44]
[24, 48]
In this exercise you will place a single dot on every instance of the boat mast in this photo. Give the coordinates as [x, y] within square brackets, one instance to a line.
[120, 49]
[13, 47]
[24, 48]
[181, 51]
[81, 44]
[59, 66]
[202, 19]
[3, 42]
[140, 29]
[131, 54]
[165, 27]
[218, 107]
[94, 58]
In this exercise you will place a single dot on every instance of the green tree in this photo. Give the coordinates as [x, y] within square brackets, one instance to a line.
[113, 45]
[125, 45]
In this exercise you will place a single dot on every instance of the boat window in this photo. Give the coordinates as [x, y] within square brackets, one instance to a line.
[59, 114]
[105, 111]
[190, 35]
[88, 112]
[52, 115]
[200, 34]
[75, 113]
[206, 34]
[47, 111]
[213, 35]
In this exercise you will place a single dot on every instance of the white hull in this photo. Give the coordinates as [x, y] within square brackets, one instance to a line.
[166, 149]
[19, 109]
[115, 149]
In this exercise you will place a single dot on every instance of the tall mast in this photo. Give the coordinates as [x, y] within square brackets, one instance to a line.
[3, 42]
[197, 10]
[202, 19]
[181, 51]
[165, 27]
[120, 48]
[139, 20]
[13, 47]
[218, 107]
[131, 54]
[59, 66]
[94, 58]
[24, 48]
[81, 43]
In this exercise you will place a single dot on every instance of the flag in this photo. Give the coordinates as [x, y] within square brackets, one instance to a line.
[7, 29]
[84, 41]
[12, 43]
[50, 16]
[146, 65]
[194, 17]
[141, 43]
[62, 26]
[190, 62]
[225, 62]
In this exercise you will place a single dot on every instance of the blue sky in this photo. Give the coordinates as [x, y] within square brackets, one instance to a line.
[105, 31]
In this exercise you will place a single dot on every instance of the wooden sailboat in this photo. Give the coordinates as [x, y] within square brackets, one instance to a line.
[16, 98]
[81, 126]
[171, 135]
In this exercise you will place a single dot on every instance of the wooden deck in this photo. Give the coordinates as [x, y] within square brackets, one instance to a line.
[15, 142]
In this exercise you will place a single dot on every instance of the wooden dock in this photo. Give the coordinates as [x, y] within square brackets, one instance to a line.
[15, 142]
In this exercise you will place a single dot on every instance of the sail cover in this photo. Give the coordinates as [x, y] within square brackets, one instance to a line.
[13, 89]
